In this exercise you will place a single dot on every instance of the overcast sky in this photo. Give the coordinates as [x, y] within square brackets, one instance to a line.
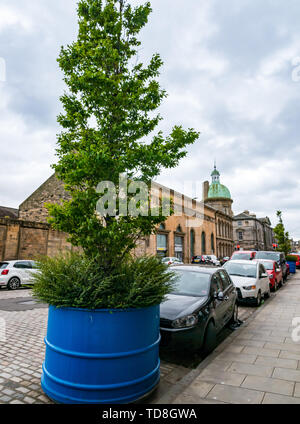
[230, 69]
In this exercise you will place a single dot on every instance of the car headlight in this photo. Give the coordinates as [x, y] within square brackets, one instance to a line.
[249, 288]
[271, 276]
[188, 321]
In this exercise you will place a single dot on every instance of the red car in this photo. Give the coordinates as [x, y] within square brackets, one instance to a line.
[247, 255]
[274, 271]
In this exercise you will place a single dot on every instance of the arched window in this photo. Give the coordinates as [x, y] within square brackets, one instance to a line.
[212, 243]
[179, 230]
[162, 227]
[203, 243]
[192, 242]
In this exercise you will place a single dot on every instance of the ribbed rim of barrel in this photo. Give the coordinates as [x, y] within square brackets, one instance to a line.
[67, 308]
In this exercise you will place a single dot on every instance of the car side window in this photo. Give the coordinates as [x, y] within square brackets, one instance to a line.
[261, 270]
[22, 265]
[216, 284]
[225, 280]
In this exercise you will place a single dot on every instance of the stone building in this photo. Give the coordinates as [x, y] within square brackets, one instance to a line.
[196, 228]
[190, 231]
[217, 196]
[252, 233]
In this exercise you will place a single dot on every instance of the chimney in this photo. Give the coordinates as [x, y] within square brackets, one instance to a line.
[205, 188]
[247, 212]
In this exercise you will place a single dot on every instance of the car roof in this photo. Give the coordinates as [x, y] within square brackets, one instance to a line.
[244, 251]
[264, 260]
[241, 261]
[198, 268]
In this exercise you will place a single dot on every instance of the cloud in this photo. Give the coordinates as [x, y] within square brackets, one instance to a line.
[228, 72]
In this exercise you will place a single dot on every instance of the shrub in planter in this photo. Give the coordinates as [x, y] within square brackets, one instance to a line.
[104, 306]
[291, 258]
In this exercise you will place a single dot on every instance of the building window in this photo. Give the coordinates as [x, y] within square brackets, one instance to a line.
[240, 223]
[212, 243]
[162, 227]
[203, 243]
[179, 230]
[246, 222]
[240, 235]
[192, 242]
[162, 245]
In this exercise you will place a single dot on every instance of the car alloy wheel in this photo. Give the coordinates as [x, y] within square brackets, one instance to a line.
[13, 284]
[235, 314]
[210, 338]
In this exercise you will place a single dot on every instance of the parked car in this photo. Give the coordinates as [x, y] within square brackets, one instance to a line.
[279, 257]
[243, 255]
[202, 303]
[212, 259]
[198, 259]
[224, 260]
[274, 271]
[250, 279]
[13, 274]
[172, 260]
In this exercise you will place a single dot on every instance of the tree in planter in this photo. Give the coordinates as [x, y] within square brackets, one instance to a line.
[109, 109]
[282, 236]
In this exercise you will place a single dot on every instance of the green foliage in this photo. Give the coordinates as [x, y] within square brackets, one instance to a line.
[107, 124]
[76, 280]
[291, 258]
[282, 236]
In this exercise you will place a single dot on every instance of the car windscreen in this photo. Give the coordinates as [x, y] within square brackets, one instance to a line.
[241, 270]
[245, 256]
[191, 283]
[267, 265]
[3, 265]
[273, 256]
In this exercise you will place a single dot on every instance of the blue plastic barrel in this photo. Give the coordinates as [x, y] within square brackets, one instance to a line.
[292, 265]
[101, 356]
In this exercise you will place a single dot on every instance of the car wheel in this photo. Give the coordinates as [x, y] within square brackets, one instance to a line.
[258, 299]
[235, 314]
[14, 283]
[210, 338]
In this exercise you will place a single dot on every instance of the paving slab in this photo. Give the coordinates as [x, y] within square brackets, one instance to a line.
[273, 399]
[277, 362]
[271, 385]
[235, 395]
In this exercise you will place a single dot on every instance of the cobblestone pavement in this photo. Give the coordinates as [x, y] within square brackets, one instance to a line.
[22, 354]
[259, 363]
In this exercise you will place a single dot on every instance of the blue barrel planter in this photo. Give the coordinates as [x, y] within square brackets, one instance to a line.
[292, 265]
[101, 356]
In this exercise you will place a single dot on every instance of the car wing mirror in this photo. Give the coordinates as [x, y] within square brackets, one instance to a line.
[264, 275]
[220, 296]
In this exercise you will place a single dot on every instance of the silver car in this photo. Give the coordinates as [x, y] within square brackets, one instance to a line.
[13, 274]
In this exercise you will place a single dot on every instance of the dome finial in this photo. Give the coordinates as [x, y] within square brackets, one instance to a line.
[215, 164]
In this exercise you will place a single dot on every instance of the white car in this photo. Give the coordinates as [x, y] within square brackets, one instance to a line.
[172, 261]
[250, 279]
[15, 273]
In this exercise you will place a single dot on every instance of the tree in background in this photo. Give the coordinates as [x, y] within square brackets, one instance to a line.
[282, 236]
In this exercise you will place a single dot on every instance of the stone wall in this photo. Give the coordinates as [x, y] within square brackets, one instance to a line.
[52, 191]
[27, 240]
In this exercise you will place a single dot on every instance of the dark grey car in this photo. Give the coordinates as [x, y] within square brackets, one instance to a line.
[203, 302]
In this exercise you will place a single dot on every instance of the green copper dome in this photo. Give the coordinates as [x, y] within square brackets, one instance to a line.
[217, 190]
